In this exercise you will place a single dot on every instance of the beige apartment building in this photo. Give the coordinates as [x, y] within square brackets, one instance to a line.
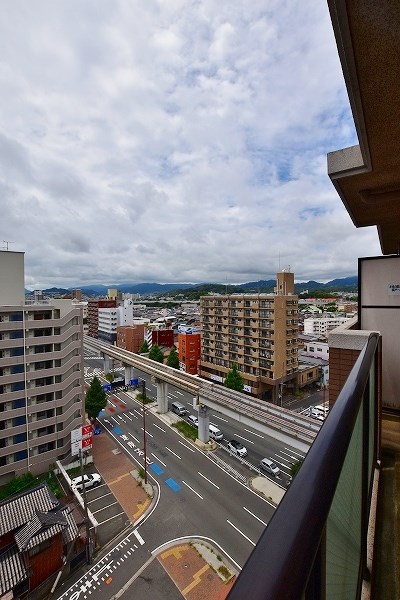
[258, 332]
[41, 375]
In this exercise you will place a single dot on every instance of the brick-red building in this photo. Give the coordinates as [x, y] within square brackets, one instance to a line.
[130, 337]
[189, 349]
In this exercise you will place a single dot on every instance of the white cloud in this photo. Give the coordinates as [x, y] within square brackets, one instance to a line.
[173, 141]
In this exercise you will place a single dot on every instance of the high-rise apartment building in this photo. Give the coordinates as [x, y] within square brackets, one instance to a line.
[41, 375]
[93, 314]
[258, 332]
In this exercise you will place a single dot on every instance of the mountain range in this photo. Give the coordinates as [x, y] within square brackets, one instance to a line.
[346, 284]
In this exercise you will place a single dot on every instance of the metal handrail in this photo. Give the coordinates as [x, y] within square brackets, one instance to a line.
[280, 565]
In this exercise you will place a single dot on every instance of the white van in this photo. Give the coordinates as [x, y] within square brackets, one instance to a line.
[215, 433]
[179, 409]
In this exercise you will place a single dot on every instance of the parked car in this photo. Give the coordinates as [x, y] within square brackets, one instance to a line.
[193, 420]
[237, 448]
[269, 466]
[89, 481]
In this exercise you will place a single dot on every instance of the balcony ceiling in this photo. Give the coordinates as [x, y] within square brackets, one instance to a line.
[367, 177]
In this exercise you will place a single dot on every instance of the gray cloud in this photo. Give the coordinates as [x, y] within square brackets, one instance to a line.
[173, 141]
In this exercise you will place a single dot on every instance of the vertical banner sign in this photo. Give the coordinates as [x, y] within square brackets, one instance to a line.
[81, 439]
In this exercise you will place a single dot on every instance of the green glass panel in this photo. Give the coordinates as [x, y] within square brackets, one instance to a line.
[343, 533]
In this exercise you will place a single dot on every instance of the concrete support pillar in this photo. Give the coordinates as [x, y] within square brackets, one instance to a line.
[162, 396]
[107, 364]
[204, 423]
[128, 374]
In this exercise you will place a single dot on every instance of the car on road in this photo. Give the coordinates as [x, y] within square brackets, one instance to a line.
[237, 448]
[193, 420]
[269, 466]
[89, 481]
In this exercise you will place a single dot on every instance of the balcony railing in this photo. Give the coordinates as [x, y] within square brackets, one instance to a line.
[315, 546]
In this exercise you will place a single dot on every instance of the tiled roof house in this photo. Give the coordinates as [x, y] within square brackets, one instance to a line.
[35, 533]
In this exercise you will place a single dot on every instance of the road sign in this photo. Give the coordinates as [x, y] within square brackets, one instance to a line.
[134, 382]
[107, 387]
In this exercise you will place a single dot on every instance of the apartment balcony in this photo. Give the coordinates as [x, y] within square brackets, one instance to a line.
[319, 543]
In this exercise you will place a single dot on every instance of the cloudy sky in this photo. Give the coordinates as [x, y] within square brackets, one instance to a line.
[173, 141]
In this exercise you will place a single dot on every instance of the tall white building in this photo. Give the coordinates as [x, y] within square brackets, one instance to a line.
[107, 324]
[41, 375]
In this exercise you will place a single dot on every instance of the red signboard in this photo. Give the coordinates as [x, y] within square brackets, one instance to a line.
[87, 443]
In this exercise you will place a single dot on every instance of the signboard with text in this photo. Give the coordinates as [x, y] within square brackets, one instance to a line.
[81, 439]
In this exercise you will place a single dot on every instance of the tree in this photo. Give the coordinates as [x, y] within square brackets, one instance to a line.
[173, 358]
[294, 469]
[144, 348]
[110, 377]
[156, 354]
[95, 399]
[234, 379]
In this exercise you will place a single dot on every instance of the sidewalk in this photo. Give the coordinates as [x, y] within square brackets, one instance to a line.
[115, 469]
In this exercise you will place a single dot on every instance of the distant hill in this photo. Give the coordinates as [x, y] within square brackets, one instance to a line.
[194, 291]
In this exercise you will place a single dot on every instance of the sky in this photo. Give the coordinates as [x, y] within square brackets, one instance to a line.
[173, 141]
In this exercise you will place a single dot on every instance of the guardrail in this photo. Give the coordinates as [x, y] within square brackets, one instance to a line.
[315, 545]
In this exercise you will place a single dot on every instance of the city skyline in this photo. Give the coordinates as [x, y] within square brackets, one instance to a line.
[173, 143]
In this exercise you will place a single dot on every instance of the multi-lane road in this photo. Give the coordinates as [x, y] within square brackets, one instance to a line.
[196, 498]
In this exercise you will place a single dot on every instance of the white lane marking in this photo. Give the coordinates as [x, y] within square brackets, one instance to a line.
[290, 455]
[209, 481]
[135, 438]
[253, 433]
[158, 427]
[294, 452]
[128, 417]
[255, 516]
[158, 459]
[243, 438]
[95, 576]
[138, 537]
[133, 415]
[187, 447]
[283, 458]
[220, 418]
[172, 452]
[173, 395]
[114, 419]
[104, 508]
[241, 532]
[147, 433]
[180, 393]
[111, 518]
[194, 491]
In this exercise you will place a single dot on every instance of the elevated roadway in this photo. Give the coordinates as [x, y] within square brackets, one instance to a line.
[265, 417]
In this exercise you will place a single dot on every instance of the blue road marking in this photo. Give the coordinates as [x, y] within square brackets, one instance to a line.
[116, 430]
[102, 413]
[157, 469]
[175, 487]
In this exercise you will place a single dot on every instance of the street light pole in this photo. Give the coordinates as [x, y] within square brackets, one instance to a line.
[144, 428]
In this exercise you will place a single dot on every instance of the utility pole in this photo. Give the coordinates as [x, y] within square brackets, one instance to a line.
[88, 539]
